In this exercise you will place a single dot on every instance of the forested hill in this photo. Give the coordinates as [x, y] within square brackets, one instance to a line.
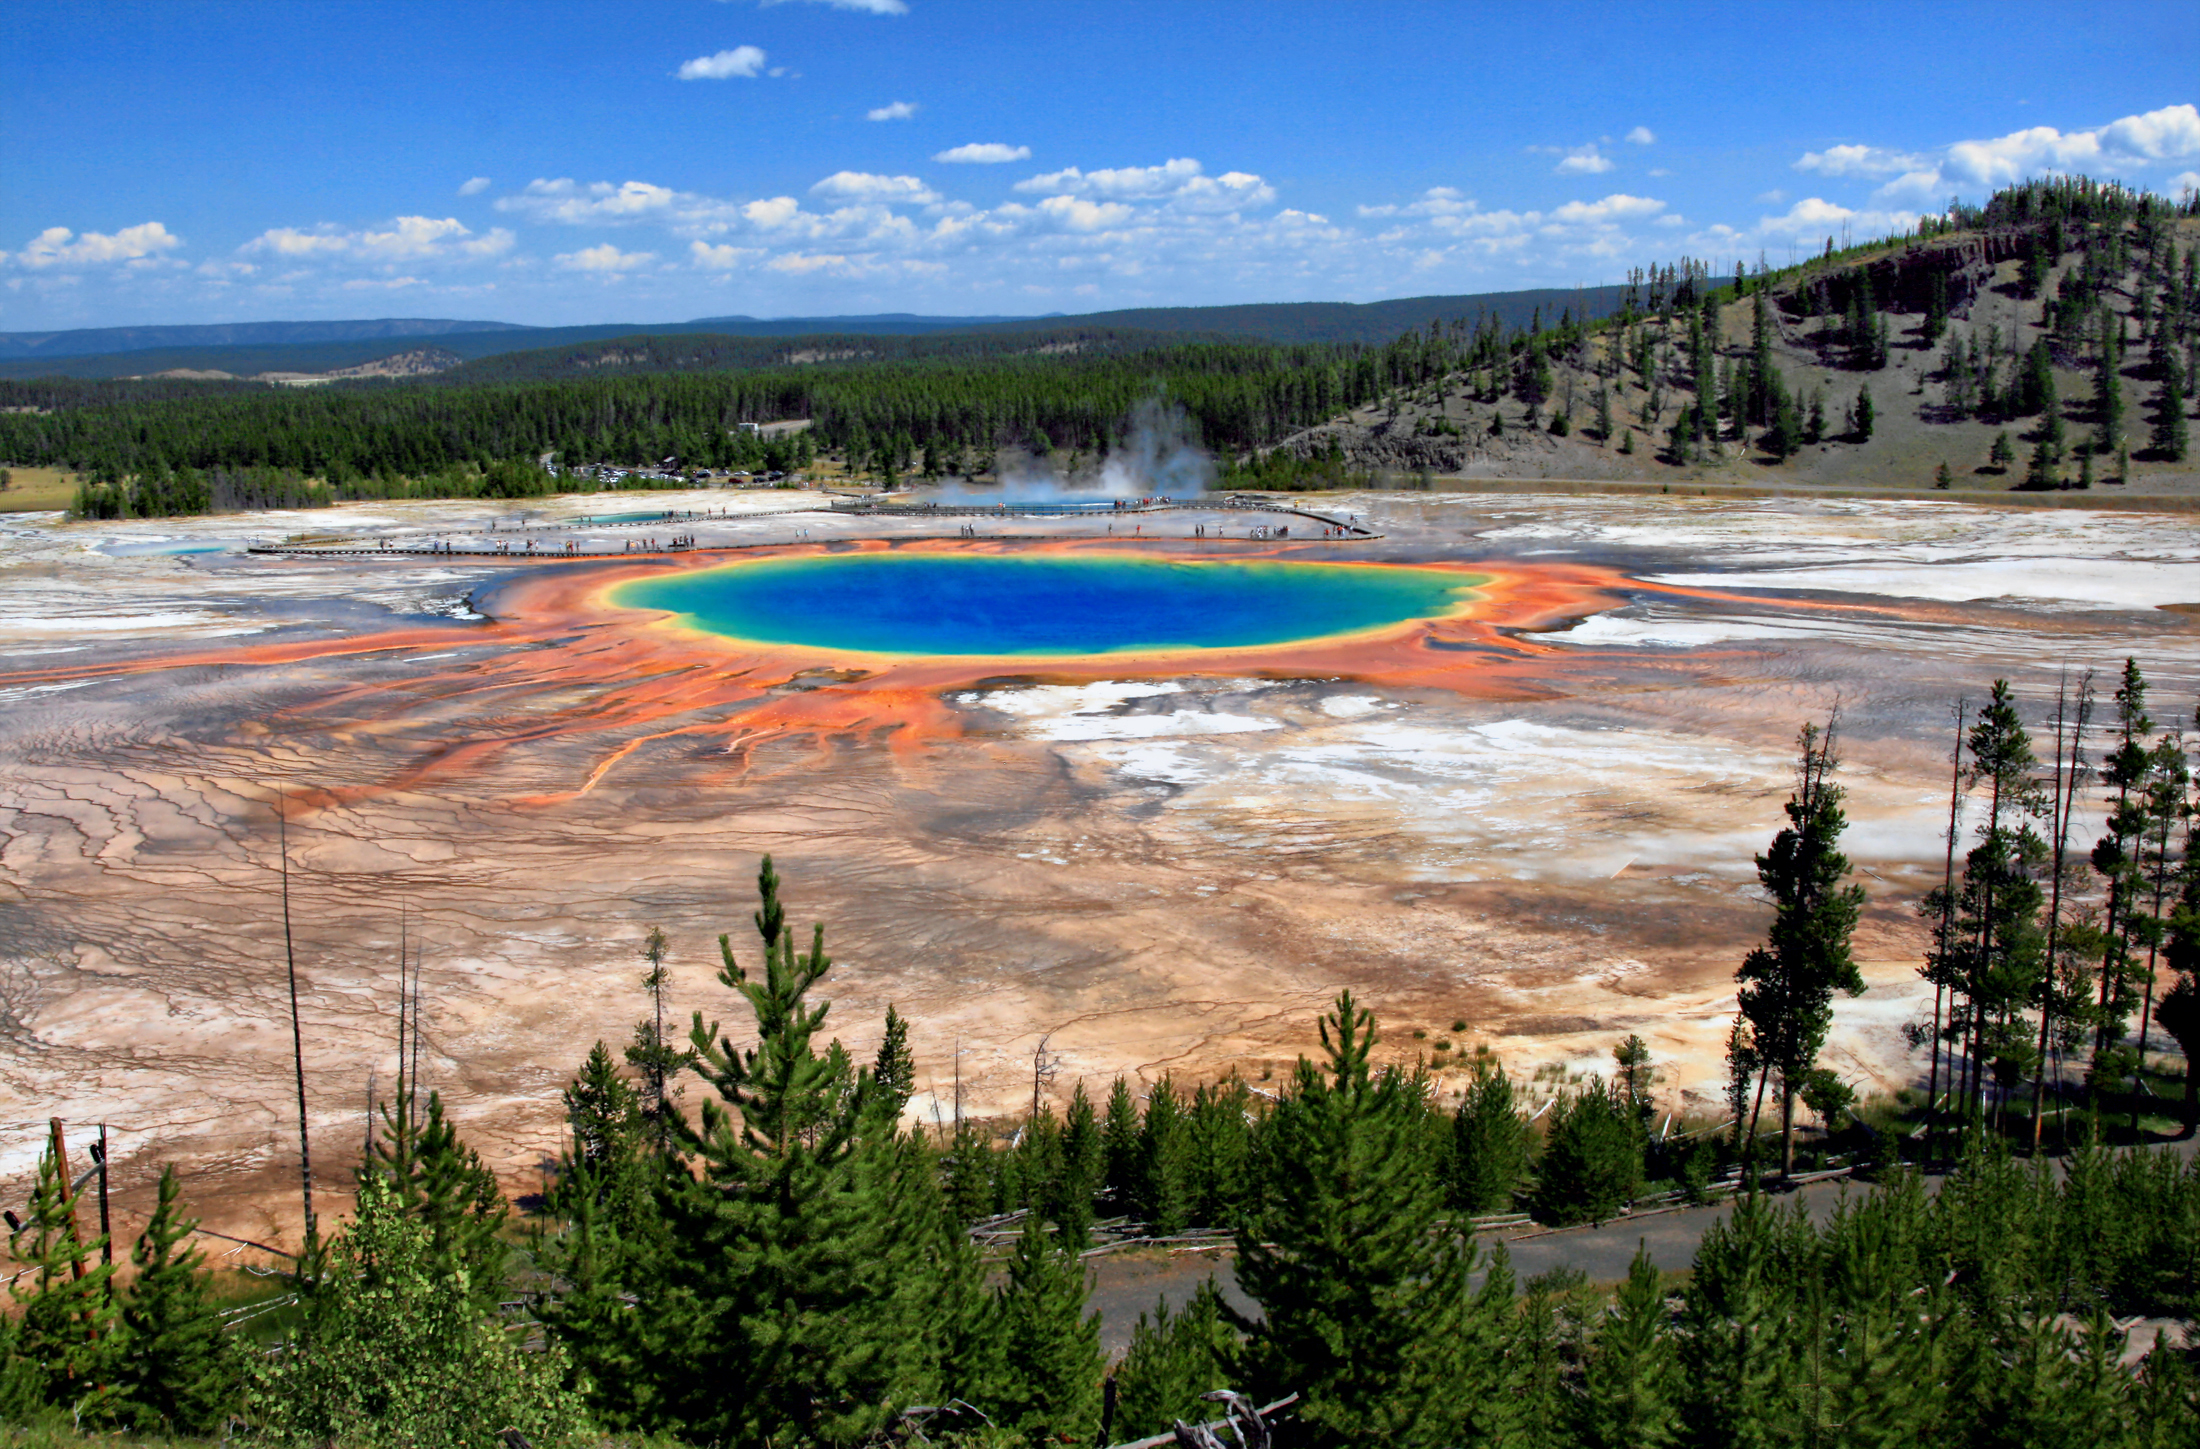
[1372, 323]
[244, 349]
[88, 341]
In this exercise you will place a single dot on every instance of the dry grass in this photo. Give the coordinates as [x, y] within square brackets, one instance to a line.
[36, 490]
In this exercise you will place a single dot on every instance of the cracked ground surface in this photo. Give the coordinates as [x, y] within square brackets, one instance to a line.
[1545, 833]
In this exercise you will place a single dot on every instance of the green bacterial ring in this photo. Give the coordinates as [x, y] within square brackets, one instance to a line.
[1046, 606]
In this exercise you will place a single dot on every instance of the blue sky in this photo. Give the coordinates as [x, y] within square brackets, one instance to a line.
[658, 160]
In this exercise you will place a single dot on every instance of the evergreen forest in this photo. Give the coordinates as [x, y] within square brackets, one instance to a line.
[751, 1238]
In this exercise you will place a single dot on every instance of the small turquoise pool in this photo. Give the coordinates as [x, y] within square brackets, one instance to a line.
[1042, 604]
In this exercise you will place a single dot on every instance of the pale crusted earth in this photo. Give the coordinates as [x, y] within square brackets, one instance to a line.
[1163, 874]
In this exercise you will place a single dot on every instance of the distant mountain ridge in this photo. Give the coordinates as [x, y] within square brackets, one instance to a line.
[93, 341]
[244, 349]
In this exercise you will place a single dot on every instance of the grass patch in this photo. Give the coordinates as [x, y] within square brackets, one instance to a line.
[37, 490]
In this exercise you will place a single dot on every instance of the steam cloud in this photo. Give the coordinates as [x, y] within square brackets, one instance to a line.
[1157, 457]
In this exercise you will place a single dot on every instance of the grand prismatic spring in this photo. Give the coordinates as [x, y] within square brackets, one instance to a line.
[1503, 761]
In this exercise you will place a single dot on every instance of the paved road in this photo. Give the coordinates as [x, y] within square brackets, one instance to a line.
[1125, 1286]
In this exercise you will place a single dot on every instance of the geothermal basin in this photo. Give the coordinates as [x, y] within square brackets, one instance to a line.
[1500, 769]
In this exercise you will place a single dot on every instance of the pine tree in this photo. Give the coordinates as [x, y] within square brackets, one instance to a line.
[2169, 438]
[2003, 452]
[1592, 1158]
[792, 1258]
[652, 1055]
[437, 1178]
[1864, 415]
[1629, 1377]
[1788, 984]
[1119, 1148]
[1049, 1385]
[1489, 1144]
[64, 1333]
[894, 1072]
[1365, 1305]
[1943, 477]
[1165, 1162]
[1077, 1180]
[1997, 954]
[2117, 857]
[2108, 386]
[1173, 1359]
[177, 1372]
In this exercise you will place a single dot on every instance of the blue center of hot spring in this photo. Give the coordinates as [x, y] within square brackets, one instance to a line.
[1059, 604]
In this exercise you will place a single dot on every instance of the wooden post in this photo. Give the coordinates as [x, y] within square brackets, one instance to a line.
[68, 1196]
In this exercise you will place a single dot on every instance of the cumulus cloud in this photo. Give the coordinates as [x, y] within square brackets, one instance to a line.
[2131, 144]
[1181, 182]
[1806, 221]
[1858, 161]
[864, 186]
[1614, 208]
[406, 239]
[1584, 161]
[894, 111]
[985, 153]
[57, 246]
[743, 61]
[602, 259]
[1446, 227]
[723, 258]
[2182, 182]
[474, 187]
[598, 203]
[1642, 136]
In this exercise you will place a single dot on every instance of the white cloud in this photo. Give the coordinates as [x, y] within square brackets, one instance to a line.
[1079, 214]
[57, 246]
[801, 264]
[866, 7]
[2181, 183]
[606, 258]
[1614, 208]
[1181, 182]
[1806, 221]
[1584, 161]
[895, 111]
[985, 153]
[1660, 171]
[406, 239]
[598, 203]
[474, 187]
[2130, 144]
[1858, 161]
[720, 258]
[1642, 136]
[1771, 198]
[885, 190]
[744, 61]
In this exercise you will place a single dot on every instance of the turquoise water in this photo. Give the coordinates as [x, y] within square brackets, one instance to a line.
[1061, 604]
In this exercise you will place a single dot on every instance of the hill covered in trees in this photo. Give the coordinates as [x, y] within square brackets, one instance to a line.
[2046, 339]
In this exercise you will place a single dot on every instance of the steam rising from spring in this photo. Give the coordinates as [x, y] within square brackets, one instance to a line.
[1157, 457]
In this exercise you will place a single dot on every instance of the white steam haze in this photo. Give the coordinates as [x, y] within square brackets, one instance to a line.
[1158, 456]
